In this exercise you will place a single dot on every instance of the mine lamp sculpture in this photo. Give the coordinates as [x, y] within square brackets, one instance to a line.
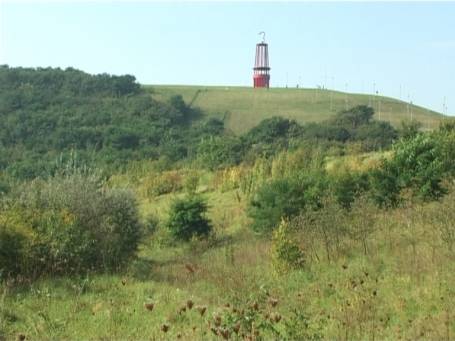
[261, 74]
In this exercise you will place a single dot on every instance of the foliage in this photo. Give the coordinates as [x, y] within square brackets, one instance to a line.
[220, 152]
[354, 124]
[329, 132]
[155, 184]
[108, 120]
[299, 326]
[409, 129]
[418, 164]
[68, 224]
[285, 198]
[375, 135]
[271, 135]
[354, 117]
[187, 218]
[347, 186]
[385, 186]
[286, 254]
[324, 229]
[191, 182]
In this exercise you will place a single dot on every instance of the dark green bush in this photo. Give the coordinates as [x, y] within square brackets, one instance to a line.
[354, 117]
[409, 129]
[272, 135]
[272, 130]
[348, 186]
[187, 218]
[324, 131]
[285, 198]
[375, 135]
[220, 152]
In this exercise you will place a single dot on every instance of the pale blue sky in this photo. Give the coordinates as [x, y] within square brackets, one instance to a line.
[407, 46]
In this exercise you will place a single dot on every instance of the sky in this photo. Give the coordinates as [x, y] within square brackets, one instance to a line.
[404, 50]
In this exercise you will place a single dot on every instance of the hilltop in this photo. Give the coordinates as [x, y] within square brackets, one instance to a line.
[242, 108]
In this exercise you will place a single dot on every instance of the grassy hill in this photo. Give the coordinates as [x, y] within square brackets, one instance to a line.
[242, 107]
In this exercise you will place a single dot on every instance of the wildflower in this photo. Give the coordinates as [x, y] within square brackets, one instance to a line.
[275, 317]
[217, 320]
[214, 330]
[190, 268]
[201, 310]
[225, 333]
[273, 302]
[149, 306]
[189, 304]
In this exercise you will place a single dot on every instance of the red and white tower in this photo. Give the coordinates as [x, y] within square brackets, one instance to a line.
[261, 74]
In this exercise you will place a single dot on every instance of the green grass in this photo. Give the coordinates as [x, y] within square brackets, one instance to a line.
[242, 108]
[403, 286]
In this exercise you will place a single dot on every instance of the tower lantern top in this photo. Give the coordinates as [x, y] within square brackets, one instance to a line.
[263, 36]
[261, 75]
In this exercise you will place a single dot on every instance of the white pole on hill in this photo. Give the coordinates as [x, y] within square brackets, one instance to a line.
[346, 96]
[411, 111]
[379, 107]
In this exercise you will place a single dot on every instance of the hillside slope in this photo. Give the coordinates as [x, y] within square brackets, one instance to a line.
[242, 108]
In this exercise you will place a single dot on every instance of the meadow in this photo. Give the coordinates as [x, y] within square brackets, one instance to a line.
[398, 286]
[155, 222]
[242, 108]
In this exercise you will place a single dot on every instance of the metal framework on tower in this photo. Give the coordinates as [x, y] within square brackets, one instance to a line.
[261, 73]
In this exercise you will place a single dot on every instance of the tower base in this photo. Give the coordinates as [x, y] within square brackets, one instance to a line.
[261, 81]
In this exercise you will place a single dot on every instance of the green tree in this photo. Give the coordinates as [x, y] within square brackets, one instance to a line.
[285, 198]
[220, 151]
[187, 218]
[354, 117]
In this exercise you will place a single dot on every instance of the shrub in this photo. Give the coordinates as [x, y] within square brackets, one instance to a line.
[220, 152]
[354, 117]
[68, 224]
[272, 134]
[191, 182]
[348, 186]
[324, 229]
[375, 135]
[409, 129]
[187, 218]
[163, 183]
[419, 164]
[286, 254]
[325, 131]
[285, 198]
[384, 186]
